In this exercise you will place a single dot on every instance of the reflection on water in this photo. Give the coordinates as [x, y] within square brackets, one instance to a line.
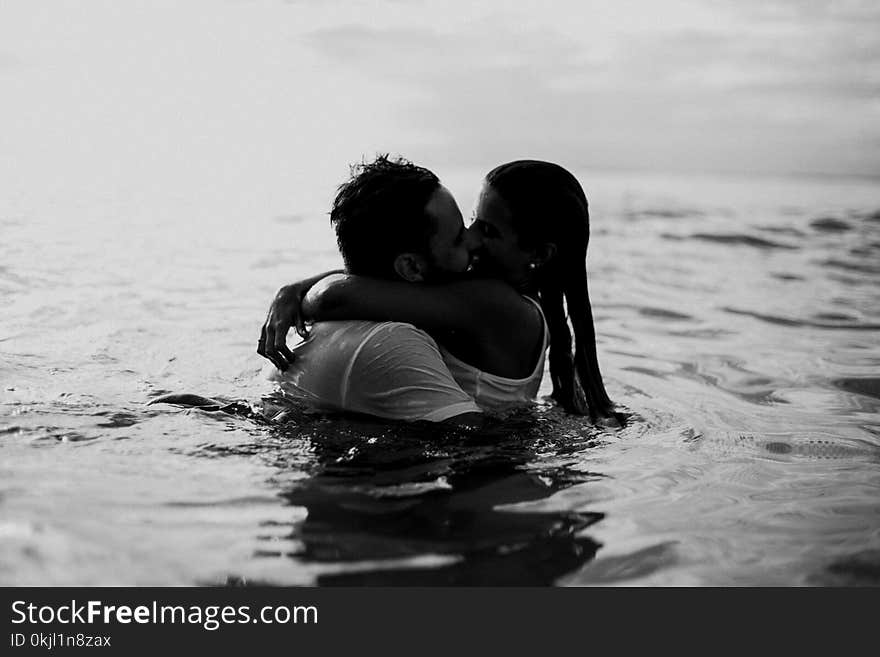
[737, 321]
[396, 504]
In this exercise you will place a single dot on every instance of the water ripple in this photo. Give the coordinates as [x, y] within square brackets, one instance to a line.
[736, 239]
[789, 321]
[867, 386]
[830, 225]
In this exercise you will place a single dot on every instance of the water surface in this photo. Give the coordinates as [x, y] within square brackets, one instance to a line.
[737, 319]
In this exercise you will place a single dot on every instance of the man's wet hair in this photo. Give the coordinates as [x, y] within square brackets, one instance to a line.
[379, 213]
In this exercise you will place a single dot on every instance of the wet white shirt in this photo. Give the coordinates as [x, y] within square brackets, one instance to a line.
[390, 370]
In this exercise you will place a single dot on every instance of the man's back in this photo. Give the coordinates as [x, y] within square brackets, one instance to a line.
[390, 370]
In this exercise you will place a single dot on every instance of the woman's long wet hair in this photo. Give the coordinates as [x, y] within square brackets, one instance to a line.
[548, 205]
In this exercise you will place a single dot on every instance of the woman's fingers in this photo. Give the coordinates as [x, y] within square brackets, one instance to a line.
[284, 313]
[261, 343]
[269, 342]
[299, 323]
[282, 353]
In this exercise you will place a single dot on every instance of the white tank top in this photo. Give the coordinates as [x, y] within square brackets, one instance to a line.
[493, 392]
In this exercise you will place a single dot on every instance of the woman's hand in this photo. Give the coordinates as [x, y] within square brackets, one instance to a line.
[285, 311]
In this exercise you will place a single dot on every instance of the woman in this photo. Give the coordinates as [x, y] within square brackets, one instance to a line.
[526, 205]
[532, 222]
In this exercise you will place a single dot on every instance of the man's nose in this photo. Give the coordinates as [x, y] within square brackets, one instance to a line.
[473, 238]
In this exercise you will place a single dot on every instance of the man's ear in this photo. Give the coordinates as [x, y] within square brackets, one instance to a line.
[544, 254]
[410, 267]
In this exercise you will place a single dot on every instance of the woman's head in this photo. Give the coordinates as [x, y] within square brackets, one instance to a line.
[532, 218]
[534, 225]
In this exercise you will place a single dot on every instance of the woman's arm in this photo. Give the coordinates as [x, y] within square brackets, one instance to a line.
[474, 308]
[286, 311]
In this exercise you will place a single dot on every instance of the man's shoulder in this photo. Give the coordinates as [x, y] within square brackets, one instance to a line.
[327, 329]
[399, 334]
[348, 333]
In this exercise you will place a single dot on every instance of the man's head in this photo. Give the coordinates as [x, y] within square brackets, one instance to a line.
[394, 219]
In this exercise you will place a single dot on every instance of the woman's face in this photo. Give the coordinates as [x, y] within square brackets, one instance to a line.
[500, 253]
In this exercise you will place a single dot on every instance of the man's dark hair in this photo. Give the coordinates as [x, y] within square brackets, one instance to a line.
[380, 213]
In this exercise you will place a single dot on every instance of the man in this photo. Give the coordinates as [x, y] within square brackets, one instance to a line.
[392, 220]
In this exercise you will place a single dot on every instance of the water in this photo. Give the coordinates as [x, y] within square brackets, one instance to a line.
[737, 318]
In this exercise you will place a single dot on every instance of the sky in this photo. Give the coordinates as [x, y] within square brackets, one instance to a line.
[200, 95]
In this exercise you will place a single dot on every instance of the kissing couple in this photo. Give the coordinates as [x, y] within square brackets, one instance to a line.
[433, 321]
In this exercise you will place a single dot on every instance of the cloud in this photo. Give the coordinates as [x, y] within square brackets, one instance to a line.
[766, 87]
[8, 60]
